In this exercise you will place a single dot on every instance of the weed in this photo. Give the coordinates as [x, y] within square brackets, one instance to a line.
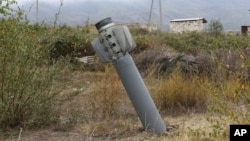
[177, 94]
[142, 43]
[106, 98]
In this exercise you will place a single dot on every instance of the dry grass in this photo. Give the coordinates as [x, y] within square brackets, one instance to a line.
[106, 97]
[102, 111]
[180, 94]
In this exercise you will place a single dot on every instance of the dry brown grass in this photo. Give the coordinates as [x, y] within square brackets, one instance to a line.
[102, 111]
[106, 97]
[180, 94]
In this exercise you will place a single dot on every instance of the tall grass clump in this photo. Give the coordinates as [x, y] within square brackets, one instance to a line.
[27, 96]
[106, 101]
[180, 94]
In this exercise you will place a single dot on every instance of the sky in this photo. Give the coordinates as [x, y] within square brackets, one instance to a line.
[26, 4]
[21, 2]
[68, 1]
[232, 13]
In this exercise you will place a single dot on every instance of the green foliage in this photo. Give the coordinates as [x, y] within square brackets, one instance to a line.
[72, 44]
[215, 27]
[142, 43]
[194, 42]
[27, 96]
[5, 8]
[28, 88]
[139, 31]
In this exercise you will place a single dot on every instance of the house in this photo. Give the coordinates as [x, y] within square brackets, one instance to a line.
[187, 25]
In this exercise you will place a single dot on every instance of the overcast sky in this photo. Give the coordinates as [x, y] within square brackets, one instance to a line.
[47, 1]
[21, 2]
[232, 13]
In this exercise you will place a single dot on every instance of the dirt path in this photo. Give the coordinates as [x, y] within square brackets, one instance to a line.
[181, 128]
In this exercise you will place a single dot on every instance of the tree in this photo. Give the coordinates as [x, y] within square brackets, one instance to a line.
[215, 27]
[5, 8]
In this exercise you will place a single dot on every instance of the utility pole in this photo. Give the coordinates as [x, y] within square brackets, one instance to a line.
[150, 14]
[160, 15]
[37, 11]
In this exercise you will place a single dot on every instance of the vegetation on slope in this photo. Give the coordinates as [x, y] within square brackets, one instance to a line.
[43, 86]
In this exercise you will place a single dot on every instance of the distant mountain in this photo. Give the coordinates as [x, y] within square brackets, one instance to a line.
[231, 13]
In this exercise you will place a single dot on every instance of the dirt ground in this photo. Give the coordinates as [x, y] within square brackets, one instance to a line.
[180, 128]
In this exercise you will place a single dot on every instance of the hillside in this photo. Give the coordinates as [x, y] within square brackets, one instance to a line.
[231, 13]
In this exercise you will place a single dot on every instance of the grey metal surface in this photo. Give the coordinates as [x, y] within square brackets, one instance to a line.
[138, 94]
[100, 51]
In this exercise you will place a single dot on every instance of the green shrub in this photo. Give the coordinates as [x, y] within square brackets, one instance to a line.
[73, 43]
[193, 42]
[215, 27]
[5, 8]
[142, 43]
[27, 96]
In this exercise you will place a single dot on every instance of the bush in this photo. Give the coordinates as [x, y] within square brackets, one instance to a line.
[5, 9]
[194, 42]
[27, 97]
[72, 44]
[142, 43]
[215, 27]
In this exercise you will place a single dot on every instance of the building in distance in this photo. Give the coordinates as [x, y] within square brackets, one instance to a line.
[187, 25]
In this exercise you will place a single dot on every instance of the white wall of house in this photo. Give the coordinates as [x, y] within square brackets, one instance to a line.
[186, 26]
